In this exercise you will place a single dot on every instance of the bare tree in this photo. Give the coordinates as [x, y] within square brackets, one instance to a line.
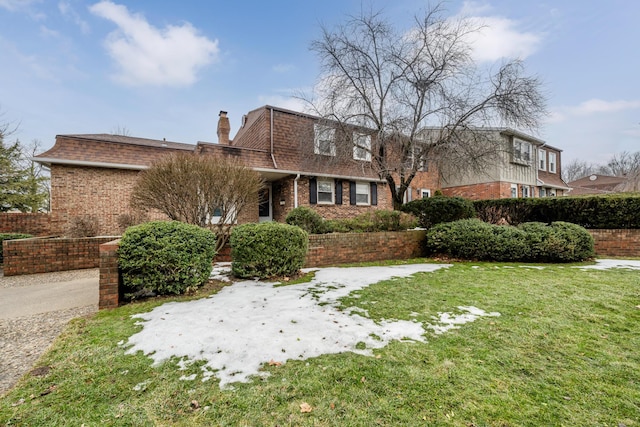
[624, 164]
[201, 190]
[577, 169]
[418, 92]
[120, 130]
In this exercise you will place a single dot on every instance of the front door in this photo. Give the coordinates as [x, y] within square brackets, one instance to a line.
[264, 207]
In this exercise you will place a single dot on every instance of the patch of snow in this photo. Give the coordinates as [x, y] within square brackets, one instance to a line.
[221, 271]
[606, 264]
[141, 386]
[448, 321]
[188, 377]
[248, 324]
[535, 267]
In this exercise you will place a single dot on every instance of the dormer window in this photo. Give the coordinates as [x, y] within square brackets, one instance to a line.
[324, 140]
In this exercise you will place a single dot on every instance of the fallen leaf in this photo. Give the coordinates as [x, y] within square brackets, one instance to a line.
[363, 379]
[332, 405]
[18, 403]
[305, 408]
[49, 390]
[274, 363]
[195, 404]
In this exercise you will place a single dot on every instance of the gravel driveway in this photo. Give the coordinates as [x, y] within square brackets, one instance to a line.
[24, 339]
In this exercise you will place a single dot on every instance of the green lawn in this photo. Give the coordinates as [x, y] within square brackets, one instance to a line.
[564, 352]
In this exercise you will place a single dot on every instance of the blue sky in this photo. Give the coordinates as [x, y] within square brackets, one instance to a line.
[164, 69]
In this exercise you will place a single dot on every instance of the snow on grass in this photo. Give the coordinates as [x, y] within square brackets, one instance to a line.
[250, 323]
[606, 264]
[448, 321]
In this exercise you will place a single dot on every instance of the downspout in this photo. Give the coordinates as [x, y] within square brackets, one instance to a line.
[295, 191]
[275, 165]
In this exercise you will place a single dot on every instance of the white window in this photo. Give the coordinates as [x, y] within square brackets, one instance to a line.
[362, 193]
[408, 196]
[525, 191]
[552, 162]
[361, 147]
[543, 192]
[514, 190]
[552, 193]
[324, 140]
[542, 160]
[521, 151]
[325, 191]
[425, 192]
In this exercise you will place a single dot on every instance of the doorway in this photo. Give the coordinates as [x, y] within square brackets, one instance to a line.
[264, 204]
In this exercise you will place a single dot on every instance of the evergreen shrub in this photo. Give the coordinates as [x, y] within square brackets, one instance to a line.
[165, 257]
[435, 210]
[267, 250]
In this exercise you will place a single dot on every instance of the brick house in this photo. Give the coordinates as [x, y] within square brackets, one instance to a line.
[523, 166]
[296, 155]
[301, 159]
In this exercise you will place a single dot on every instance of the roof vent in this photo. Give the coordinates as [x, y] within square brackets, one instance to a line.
[593, 178]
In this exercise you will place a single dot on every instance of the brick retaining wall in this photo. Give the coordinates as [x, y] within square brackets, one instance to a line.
[37, 224]
[617, 243]
[29, 256]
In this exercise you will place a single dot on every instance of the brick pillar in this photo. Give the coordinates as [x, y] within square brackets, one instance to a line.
[110, 279]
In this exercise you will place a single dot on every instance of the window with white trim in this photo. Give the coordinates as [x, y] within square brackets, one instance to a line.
[324, 140]
[521, 151]
[425, 192]
[362, 193]
[542, 160]
[325, 191]
[525, 191]
[361, 147]
[552, 162]
[514, 190]
[543, 192]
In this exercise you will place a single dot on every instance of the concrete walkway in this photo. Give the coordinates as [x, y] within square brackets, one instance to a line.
[45, 297]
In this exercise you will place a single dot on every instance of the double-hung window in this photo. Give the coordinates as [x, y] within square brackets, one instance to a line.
[542, 160]
[521, 151]
[361, 147]
[325, 191]
[362, 193]
[552, 162]
[324, 140]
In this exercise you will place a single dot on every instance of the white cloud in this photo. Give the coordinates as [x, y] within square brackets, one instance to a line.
[288, 103]
[498, 37]
[68, 11]
[146, 55]
[14, 5]
[590, 107]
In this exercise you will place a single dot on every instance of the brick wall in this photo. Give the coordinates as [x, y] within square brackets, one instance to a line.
[110, 279]
[489, 190]
[30, 256]
[37, 224]
[617, 243]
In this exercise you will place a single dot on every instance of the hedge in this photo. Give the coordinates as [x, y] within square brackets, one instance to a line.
[435, 210]
[532, 242]
[165, 257]
[594, 212]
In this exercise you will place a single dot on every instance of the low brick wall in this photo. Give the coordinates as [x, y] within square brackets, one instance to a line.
[324, 249]
[29, 256]
[344, 248]
[37, 224]
[617, 243]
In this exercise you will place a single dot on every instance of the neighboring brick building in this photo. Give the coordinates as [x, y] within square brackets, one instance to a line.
[523, 166]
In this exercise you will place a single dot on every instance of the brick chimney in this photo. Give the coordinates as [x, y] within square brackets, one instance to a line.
[223, 128]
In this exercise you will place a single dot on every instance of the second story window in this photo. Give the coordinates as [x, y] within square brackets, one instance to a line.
[552, 162]
[324, 140]
[542, 160]
[521, 151]
[361, 147]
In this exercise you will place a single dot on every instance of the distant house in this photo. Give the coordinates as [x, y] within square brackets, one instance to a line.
[523, 166]
[597, 184]
[301, 160]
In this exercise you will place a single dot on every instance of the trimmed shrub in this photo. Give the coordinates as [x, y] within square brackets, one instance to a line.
[268, 249]
[11, 236]
[533, 242]
[83, 226]
[165, 257]
[616, 211]
[307, 219]
[378, 220]
[435, 210]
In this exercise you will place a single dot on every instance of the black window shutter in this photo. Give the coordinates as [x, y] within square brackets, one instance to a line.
[352, 193]
[313, 191]
[338, 192]
[374, 193]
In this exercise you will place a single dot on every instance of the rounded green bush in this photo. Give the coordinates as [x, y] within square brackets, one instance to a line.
[435, 210]
[307, 219]
[532, 242]
[268, 249]
[165, 257]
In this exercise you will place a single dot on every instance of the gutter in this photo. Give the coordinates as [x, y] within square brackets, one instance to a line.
[50, 161]
[295, 191]
[275, 165]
